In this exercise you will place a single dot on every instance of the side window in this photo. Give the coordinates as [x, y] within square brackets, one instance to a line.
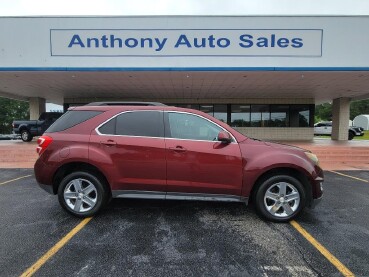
[192, 127]
[137, 123]
[108, 128]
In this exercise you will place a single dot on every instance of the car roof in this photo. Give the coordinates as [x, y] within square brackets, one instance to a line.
[125, 103]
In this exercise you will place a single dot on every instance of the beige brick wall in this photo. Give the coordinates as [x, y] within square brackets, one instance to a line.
[273, 133]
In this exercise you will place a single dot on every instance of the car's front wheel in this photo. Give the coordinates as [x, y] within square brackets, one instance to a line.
[280, 198]
[82, 194]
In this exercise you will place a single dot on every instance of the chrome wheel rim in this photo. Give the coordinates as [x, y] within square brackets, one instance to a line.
[80, 195]
[282, 199]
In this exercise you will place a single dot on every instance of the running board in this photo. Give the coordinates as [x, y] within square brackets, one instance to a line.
[177, 196]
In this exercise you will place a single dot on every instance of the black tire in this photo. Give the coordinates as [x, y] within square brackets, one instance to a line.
[273, 184]
[26, 135]
[100, 195]
[351, 135]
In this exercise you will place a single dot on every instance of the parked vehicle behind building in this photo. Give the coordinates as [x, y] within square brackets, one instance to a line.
[93, 153]
[31, 128]
[325, 128]
[362, 121]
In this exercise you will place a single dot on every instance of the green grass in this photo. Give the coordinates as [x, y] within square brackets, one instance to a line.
[364, 137]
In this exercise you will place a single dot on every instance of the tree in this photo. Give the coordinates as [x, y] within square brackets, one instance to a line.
[323, 112]
[11, 110]
[358, 108]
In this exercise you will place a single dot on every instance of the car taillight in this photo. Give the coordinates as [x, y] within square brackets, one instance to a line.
[43, 142]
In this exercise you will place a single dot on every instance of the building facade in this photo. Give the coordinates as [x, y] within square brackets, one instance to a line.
[260, 74]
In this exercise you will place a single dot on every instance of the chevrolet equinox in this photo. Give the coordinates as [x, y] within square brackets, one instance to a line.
[97, 152]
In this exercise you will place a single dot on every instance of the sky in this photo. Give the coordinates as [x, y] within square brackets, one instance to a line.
[183, 7]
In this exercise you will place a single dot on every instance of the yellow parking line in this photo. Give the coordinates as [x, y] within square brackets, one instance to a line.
[36, 266]
[340, 266]
[352, 177]
[3, 183]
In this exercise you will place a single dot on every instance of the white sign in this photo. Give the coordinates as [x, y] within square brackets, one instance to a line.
[186, 42]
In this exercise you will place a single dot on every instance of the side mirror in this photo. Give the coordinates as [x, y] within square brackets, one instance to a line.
[224, 137]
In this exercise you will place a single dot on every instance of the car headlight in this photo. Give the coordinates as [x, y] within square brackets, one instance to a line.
[312, 157]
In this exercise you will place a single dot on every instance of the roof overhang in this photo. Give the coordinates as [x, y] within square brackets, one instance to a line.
[156, 57]
[55, 86]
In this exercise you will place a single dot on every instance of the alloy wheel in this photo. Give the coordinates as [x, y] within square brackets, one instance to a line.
[282, 199]
[80, 195]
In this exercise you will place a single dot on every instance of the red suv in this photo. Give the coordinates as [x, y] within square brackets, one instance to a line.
[96, 152]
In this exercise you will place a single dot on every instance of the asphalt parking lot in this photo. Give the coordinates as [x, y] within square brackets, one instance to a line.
[175, 238]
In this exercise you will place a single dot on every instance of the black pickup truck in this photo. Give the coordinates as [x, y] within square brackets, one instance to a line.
[30, 128]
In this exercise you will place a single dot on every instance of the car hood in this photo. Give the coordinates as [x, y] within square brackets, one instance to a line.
[275, 145]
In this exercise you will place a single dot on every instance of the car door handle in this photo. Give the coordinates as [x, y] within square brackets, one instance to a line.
[178, 149]
[109, 142]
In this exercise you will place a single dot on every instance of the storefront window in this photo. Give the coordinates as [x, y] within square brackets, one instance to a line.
[260, 115]
[209, 109]
[220, 112]
[244, 115]
[240, 115]
[187, 106]
[279, 116]
[299, 116]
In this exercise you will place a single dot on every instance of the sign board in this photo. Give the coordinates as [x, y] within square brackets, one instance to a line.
[186, 42]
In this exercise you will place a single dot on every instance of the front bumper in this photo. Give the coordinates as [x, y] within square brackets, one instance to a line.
[315, 202]
[317, 184]
[47, 188]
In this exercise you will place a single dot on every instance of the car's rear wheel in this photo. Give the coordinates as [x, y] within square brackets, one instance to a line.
[26, 135]
[280, 198]
[82, 194]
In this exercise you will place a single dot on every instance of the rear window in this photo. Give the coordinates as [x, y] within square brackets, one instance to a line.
[70, 119]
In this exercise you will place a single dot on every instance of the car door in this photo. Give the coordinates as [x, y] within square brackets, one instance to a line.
[134, 142]
[196, 161]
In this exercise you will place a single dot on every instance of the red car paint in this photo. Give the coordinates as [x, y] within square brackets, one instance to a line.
[167, 164]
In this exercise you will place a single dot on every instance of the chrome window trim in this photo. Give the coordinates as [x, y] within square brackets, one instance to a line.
[127, 136]
[234, 141]
[142, 194]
